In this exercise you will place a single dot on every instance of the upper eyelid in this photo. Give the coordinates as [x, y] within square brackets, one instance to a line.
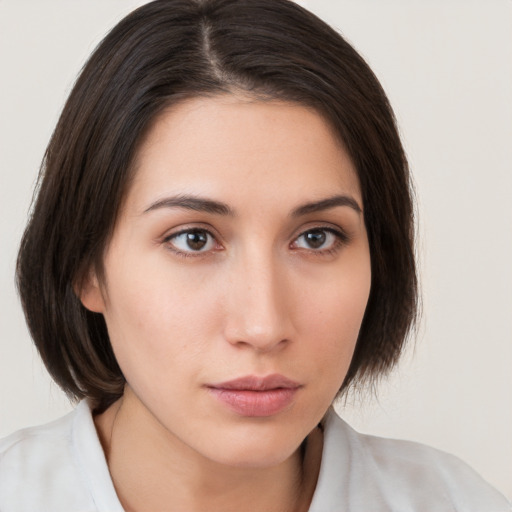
[326, 226]
[189, 230]
[171, 234]
[339, 233]
[335, 229]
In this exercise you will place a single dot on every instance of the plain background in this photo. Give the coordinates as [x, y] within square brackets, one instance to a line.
[447, 68]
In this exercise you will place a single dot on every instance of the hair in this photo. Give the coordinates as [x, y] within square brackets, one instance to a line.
[161, 54]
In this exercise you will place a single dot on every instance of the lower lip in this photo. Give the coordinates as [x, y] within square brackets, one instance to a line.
[256, 403]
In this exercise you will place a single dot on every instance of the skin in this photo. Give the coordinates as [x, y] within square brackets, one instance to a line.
[260, 297]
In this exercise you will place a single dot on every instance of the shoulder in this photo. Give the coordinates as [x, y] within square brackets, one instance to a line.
[38, 465]
[28, 449]
[426, 473]
[402, 475]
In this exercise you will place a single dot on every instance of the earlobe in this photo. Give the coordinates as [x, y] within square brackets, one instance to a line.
[90, 294]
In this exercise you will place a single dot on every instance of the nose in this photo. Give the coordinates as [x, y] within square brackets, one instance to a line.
[260, 310]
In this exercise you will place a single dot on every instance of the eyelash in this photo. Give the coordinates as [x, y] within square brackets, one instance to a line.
[341, 239]
[188, 254]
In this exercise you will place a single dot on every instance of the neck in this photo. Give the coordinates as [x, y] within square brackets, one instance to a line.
[153, 470]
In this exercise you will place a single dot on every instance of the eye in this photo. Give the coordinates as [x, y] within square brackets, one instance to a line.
[191, 241]
[320, 240]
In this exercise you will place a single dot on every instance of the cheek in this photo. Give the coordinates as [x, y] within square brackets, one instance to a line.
[332, 316]
[335, 325]
[158, 321]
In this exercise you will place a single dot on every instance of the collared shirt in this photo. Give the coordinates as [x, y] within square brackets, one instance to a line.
[61, 467]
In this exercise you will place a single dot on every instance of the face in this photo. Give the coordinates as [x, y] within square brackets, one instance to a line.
[237, 277]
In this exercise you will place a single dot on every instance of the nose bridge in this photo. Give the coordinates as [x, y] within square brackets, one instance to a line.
[258, 315]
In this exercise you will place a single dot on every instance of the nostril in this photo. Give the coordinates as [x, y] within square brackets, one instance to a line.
[260, 343]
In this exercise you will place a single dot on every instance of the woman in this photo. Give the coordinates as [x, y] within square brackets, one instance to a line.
[222, 243]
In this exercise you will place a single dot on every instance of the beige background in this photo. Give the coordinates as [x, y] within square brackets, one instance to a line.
[447, 67]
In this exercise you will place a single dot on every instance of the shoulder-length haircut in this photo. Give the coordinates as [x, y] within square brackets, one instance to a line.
[162, 53]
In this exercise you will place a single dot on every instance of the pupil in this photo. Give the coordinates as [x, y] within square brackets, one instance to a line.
[315, 239]
[196, 240]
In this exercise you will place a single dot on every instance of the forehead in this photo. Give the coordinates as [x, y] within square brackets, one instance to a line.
[227, 144]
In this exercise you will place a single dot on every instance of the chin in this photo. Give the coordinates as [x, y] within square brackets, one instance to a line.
[255, 459]
[253, 450]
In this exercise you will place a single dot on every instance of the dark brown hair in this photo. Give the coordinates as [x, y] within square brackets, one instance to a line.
[162, 53]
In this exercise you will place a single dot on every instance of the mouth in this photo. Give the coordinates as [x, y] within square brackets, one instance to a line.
[256, 396]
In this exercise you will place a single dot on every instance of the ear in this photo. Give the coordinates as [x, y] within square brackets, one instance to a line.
[88, 290]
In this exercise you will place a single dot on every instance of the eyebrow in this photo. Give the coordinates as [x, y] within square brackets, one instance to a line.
[326, 204]
[198, 204]
[189, 202]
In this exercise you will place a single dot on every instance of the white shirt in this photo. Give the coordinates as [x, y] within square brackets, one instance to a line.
[61, 467]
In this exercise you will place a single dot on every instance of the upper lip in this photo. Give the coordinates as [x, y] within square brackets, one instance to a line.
[255, 383]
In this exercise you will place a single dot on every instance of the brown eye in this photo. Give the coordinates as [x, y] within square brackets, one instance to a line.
[315, 239]
[320, 240]
[196, 240]
[192, 240]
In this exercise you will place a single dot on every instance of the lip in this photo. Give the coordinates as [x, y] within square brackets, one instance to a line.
[256, 396]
